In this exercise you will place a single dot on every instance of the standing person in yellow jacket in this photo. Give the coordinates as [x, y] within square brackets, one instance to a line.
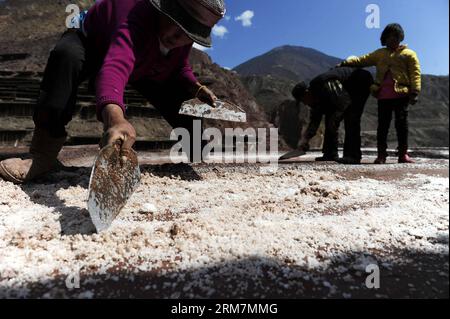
[397, 84]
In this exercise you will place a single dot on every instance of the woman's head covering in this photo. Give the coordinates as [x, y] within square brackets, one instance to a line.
[195, 17]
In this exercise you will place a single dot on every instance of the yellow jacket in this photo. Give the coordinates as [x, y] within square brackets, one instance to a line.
[403, 63]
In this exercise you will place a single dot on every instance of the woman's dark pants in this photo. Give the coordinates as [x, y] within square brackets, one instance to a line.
[385, 109]
[358, 93]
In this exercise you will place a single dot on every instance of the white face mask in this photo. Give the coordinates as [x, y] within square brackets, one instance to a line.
[164, 51]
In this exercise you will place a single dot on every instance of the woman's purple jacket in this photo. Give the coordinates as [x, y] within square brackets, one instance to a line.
[123, 35]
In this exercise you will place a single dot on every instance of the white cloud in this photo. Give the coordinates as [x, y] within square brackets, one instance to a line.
[201, 47]
[219, 31]
[227, 18]
[246, 18]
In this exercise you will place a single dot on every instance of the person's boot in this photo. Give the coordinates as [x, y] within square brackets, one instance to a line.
[382, 156]
[381, 159]
[328, 158]
[44, 151]
[405, 159]
[347, 160]
[403, 156]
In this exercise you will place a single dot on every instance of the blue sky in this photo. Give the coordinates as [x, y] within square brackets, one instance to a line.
[335, 27]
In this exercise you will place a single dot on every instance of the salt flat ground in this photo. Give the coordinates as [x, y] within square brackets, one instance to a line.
[218, 231]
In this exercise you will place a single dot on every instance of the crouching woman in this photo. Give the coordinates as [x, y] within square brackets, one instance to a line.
[144, 43]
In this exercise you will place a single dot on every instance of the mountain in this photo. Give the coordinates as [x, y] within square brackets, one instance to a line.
[271, 77]
[290, 63]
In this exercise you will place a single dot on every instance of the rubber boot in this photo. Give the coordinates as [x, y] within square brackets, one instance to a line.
[382, 156]
[347, 160]
[327, 158]
[381, 159]
[44, 151]
[403, 156]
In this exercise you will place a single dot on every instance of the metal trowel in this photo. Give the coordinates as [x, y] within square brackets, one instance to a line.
[292, 154]
[114, 179]
[223, 110]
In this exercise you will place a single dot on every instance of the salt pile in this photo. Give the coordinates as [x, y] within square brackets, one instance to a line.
[289, 228]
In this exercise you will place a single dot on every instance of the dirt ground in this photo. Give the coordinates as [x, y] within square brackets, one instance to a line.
[231, 231]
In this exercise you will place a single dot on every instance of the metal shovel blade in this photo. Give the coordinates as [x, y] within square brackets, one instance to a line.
[292, 154]
[224, 111]
[113, 181]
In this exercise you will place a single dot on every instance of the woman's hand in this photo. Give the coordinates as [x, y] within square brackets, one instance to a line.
[206, 95]
[117, 128]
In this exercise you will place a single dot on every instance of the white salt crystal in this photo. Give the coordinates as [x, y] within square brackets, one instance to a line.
[149, 208]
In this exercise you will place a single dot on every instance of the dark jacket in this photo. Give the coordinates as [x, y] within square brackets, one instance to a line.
[333, 92]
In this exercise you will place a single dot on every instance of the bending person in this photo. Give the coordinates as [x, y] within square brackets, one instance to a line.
[338, 95]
